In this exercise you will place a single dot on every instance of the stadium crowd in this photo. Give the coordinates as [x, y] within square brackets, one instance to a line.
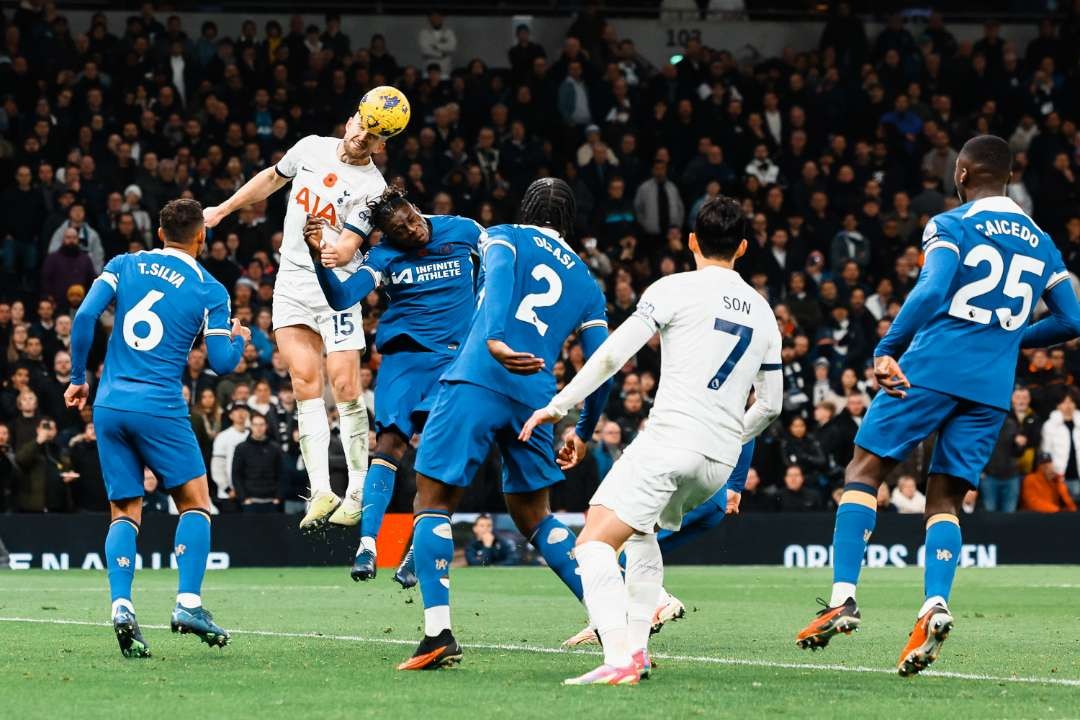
[839, 151]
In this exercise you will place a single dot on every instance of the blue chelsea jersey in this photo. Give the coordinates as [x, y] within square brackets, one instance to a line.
[432, 291]
[553, 295]
[969, 346]
[164, 299]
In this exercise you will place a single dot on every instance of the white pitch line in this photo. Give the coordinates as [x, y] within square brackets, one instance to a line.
[707, 659]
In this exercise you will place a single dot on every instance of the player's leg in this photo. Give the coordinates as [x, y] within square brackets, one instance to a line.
[964, 445]
[343, 369]
[554, 541]
[378, 490]
[122, 469]
[192, 548]
[302, 349]
[644, 579]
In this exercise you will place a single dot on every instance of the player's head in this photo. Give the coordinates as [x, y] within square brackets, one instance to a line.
[719, 230]
[549, 202]
[984, 164]
[182, 225]
[358, 143]
[399, 220]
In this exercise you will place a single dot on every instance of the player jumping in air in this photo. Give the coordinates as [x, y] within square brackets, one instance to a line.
[164, 299]
[718, 339]
[957, 337]
[333, 180]
[537, 291]
[425, 264]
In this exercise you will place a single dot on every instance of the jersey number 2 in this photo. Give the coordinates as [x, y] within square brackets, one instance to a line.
[142, 313]
[961, 306]
[742, 334]
[526, 311]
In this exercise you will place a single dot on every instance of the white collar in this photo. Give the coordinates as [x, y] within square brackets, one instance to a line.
[173, 252]
[997, 203]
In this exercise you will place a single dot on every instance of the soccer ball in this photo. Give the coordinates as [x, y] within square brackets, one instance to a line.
[384, 111]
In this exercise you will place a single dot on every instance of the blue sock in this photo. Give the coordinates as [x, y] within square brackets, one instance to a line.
[695, 523]
[943, 542]
[192, 546]
[855, 521]
[378, 489]
[120, 557]
[555, 542]
[433, 548]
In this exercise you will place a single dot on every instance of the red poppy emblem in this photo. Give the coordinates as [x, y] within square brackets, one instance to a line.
[329, 180]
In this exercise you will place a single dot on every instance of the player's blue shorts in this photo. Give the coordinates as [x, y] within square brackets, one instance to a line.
[130, 441]
[967, 430]
[465, 420]
[405, 389]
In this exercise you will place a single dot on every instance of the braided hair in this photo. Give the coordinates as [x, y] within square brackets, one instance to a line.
[383, 207]
[549, 202]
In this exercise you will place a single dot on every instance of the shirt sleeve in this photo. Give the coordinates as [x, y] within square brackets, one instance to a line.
[102, 292]
[289, 164]
[595, 313]
[218, 312]
[499, 256]
[359, 220]
[656, 307]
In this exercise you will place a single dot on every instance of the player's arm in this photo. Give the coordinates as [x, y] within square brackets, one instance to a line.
[340, 295]
[1063, 324]
[101, 294]
[224, 344]
[768, 392]
[592, 336]
[499, 258]
[942, 260]
[264, 184]
[354, 233]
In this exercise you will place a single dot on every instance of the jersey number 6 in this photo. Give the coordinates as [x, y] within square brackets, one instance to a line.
[742, 334]
[142, 313]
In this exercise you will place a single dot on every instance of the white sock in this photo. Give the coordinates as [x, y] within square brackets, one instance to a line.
[840, 592]
[353, 419]
[366, 543]
[189, 600]
[436, 619]
[122, 602]
[931, 602]
[644, 587]
[315, 442]
[605, 598]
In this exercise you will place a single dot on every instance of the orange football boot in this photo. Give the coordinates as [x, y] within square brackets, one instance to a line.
[924, 643]
[439, 651]
[828, 622]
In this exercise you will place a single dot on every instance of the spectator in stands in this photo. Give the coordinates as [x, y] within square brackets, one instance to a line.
[487, 548]
[608, 448]
[1044, 489]
[1061, 441]
[657, 203]
[906, 497]
[256, 469]
[67, 266]
[87, 237]
[221, 463]
[438, 43]
[796, 496]
[38, 485]
[87, 484]
[154, 498]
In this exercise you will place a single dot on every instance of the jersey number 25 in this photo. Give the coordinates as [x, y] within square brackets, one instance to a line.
[1015, 287]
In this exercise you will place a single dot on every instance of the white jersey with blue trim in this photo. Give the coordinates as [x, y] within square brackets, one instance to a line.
[716, 334]
[164, 299]
[325, 187]
[969, 346]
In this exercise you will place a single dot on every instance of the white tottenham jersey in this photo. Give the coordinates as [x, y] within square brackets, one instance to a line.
[325, 187]
[716, 335]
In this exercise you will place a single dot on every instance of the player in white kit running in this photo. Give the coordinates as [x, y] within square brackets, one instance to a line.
[333, 179]
[719, 339]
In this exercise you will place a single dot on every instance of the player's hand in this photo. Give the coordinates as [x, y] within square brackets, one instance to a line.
[519, 363]
[331, 257]
[541, 416]
[890, 377]
[76, 395]
[313, 229]
[733, 500]
[213, 215]
[240, 330]
[572, 452]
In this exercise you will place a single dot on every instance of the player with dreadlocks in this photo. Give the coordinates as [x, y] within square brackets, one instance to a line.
[537, 291]
[425, 264]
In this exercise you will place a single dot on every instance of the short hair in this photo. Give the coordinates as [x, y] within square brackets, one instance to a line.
[383, 207]
[720, 227]
[180, 220]
[989, 157]
[549, 202]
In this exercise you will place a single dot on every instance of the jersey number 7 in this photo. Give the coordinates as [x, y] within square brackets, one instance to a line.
[743, 334]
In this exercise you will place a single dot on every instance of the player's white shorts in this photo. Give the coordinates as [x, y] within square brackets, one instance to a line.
[298, 300]
[654, 484]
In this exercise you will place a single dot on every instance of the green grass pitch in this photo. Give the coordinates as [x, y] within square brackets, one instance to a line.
[308, 643]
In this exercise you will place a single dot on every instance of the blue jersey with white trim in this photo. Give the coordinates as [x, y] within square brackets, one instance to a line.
[553, 295]
[432, 290]
[164, 299]
[968, 345]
